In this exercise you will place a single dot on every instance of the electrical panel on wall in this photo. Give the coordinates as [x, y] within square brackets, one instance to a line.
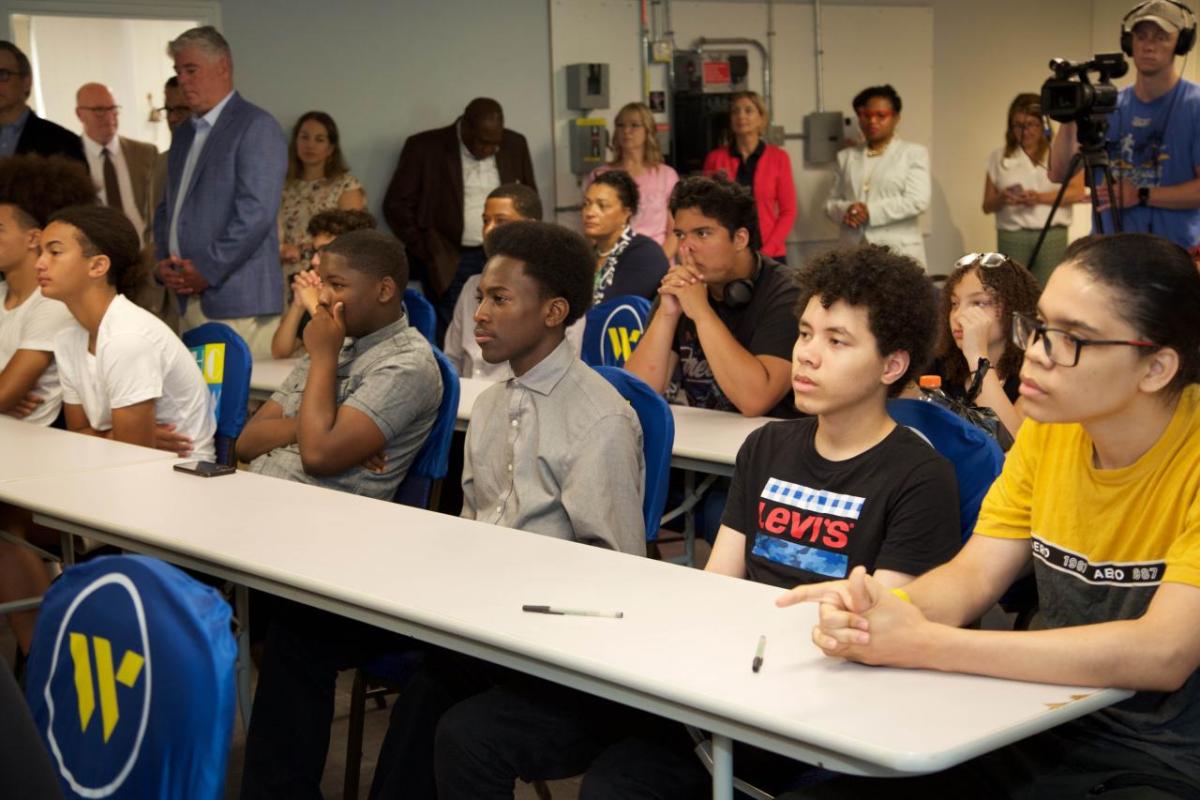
[587, 86]
[711, 71]
[589, 144]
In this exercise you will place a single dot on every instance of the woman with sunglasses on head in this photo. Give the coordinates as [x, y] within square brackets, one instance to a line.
[976, 357]
[1102, 492]
[1019, 192]
[881, 186]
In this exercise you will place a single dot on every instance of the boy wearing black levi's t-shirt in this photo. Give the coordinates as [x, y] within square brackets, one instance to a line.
[812, 498]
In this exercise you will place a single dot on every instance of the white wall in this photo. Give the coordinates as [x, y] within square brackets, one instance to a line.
[388, 69]
[127, 55]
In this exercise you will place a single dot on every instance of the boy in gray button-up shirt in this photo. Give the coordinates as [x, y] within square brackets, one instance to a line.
[354, 413]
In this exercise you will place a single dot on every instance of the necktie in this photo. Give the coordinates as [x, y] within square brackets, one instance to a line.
[112, 189]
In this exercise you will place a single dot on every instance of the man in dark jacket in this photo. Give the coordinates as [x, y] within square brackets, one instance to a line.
[21, 130]
[435, 201]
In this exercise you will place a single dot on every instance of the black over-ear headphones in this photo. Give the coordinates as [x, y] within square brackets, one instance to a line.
[739, 293]
[1187, 36]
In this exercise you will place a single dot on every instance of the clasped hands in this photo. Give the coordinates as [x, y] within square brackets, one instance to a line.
[861, 620]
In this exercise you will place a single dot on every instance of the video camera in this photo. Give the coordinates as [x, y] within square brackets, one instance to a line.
[1082, 101]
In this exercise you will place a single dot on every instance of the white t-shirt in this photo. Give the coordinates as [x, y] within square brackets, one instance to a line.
[137, 358]
[33, 325]
[1019, 169]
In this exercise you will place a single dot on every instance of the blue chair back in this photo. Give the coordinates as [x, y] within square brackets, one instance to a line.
[613, 330]
[225, 362]
[432, 460]
[131, 681]
[420, 314]
[658, 437]
[976, 456]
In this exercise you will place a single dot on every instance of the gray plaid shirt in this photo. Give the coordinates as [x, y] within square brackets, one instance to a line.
[389, 375]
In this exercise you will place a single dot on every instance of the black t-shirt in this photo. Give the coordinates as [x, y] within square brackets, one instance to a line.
[808, 520]
[766, 326]
[640, 269]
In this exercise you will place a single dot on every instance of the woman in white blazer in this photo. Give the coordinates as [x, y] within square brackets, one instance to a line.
[882, 185]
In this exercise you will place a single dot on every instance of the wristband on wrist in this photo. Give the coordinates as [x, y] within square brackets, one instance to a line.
[903, 595]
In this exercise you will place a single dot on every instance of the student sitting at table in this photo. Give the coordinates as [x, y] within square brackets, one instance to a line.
[555, 451]
[507, 203]
[722, 330]
[810, 499]
[125, 375]
[350, 417]
[1102, 493]
[323, 228]
[369, 402]
[31, 189]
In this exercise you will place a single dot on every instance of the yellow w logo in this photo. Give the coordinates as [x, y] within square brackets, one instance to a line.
[623, 341]
[127, 675]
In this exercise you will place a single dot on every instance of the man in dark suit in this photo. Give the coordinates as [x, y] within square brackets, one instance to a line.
[435, 201]
[21, 130]
[214, 231]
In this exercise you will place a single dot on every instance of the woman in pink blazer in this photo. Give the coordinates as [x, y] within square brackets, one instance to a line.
[764, 168]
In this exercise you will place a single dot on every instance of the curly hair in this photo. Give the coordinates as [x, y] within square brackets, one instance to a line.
[337, 221]
[718, 198]
[104, 231]
[886, 91]
[560, 260]
[38, 186]
[335, 165]
[623, 184]
[892, 288]
[1014, 289]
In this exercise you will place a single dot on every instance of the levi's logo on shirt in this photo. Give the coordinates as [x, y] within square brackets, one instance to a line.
[806, 529]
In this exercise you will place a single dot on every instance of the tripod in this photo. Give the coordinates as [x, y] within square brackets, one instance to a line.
[1092, 156]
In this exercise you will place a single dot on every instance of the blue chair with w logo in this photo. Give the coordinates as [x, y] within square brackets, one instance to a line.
[131, 681]
[224, 359]
[613, 329]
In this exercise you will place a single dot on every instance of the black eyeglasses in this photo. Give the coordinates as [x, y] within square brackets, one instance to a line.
[987, 260]
[1061, 347]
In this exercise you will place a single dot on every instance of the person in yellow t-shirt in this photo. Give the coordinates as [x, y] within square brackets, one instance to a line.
[1102, 492]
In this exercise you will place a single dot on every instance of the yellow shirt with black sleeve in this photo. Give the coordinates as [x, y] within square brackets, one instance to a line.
[1102, 542]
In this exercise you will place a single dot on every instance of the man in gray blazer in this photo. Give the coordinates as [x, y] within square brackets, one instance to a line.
[214, 231]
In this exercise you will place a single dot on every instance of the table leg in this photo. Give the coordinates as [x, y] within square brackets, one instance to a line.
[722, 773]
[241, 600]
[67, 542]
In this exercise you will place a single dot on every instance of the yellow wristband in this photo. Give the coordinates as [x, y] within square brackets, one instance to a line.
[903, 595]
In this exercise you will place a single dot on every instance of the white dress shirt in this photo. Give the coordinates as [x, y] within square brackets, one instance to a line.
[95, 159]
[480, 177]
[203, 126]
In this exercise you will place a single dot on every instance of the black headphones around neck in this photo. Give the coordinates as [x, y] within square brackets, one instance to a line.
[1187, 36]
[739, 293]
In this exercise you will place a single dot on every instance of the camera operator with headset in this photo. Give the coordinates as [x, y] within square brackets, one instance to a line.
[1154, 134]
